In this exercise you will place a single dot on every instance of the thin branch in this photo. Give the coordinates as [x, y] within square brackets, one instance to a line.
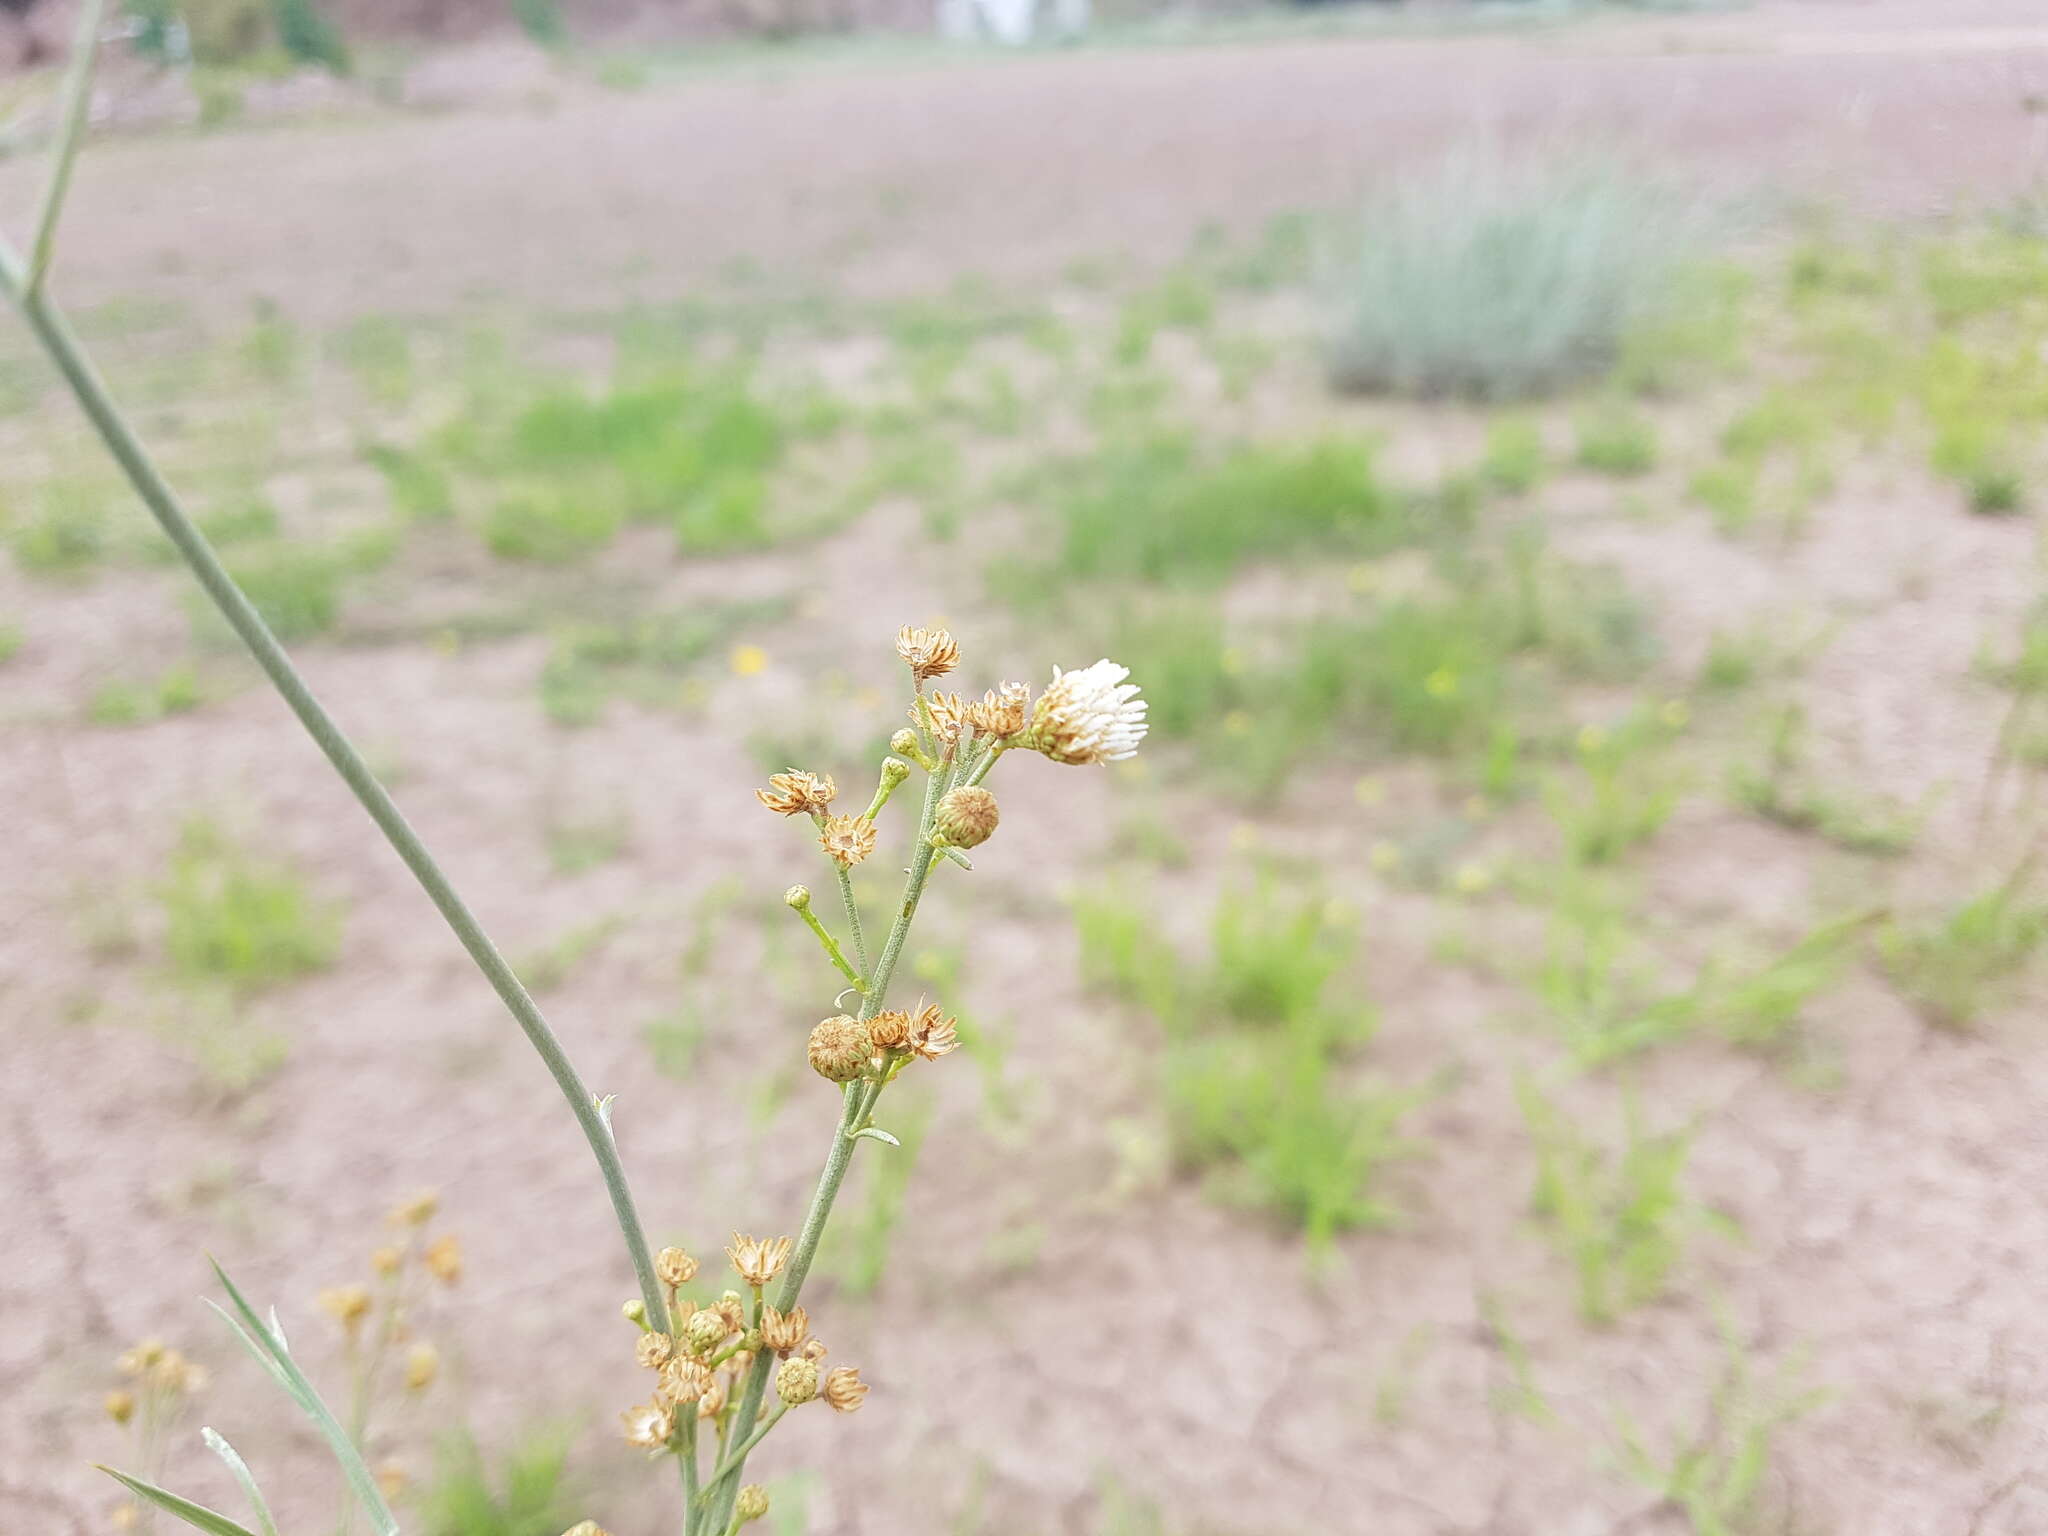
[74, 104]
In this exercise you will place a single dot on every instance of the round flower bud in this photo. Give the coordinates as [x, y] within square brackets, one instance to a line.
[844, 1389]
[840, 1048]
[704, 1332]
[634, 1312]
[966, 816]
[386, 1261]
[654, 1350]
[421, 1363]
[752, 1503]
[732, 1306]
[586, 1528]
[904, 741]
[797, 896]
[796, 1382]
[894, 772]
[889, 1029]
[121, 1405]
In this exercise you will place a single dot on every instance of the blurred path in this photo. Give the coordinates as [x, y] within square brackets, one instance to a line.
[894, 175]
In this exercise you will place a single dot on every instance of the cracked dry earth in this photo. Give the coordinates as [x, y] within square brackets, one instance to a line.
[1060, 1318]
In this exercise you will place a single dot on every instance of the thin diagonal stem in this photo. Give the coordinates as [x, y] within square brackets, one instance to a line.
[722, 1489]
[71, 114]
[831, 945]
[57, 337]
[860, 943]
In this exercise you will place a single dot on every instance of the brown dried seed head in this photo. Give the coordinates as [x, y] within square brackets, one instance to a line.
[928, 653]
[732, 1306]
[844, 1389]
[712, 1403]
[932, 1036]
[814, 1350]
[704, 1332]
[751, 1504]
[889, 1029]
[674, 1267]
[847, 839]
[444, 1259]
[797, 793]
[386, 1261]
[654, 1350]
[758, 1261]
[174, 1373]
[120, 1405]
[967, 816]
[839, 1049]
[948, 718]
[1001, 714]
[138, 1358]
[684, 1380]
[648, 1425]
[796, 1381]
[784, 1332]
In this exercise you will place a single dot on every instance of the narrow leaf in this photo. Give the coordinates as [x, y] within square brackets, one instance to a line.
[217, 1442]
[198, 1516]
[294, 1381]
[876, 1133]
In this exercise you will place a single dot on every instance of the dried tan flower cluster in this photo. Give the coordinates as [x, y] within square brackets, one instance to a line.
[701, 1361]
[929, 653]
[844, 1049]
[797, 793]
[847, 840]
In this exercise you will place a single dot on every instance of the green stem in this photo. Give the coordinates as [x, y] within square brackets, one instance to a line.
[57, 337]
[730, 1467]
[832, 945]
[857, 1105]
[71, 114]
[689, 1459]
[860, 943]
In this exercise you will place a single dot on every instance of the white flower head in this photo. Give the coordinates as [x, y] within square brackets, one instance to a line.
[1089, 716]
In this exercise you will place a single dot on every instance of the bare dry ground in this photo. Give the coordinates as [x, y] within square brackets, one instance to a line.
[1061, 1317]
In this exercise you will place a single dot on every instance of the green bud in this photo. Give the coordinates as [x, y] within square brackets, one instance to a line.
[704, 1332]
[904, 741]
[797, 896]
[635, 1312]
[894, 771]
[796, 1383]
[751, 1505]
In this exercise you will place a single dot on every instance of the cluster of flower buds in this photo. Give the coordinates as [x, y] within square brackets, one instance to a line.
[844, 1049]
[394, 1265]
[157, 1376]
[702, 1357]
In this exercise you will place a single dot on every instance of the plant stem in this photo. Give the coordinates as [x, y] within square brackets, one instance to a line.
[731, 1465]
[831, 944]
[860, 943]
[57, 338]
[689, 1460]
[724, 1486]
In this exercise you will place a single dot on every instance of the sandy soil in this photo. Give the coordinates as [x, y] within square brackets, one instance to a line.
[1088, 1319]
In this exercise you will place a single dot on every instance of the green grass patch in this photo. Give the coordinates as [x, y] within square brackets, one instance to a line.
[235, 918]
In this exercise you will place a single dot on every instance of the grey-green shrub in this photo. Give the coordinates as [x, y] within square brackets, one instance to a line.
[1479, 278]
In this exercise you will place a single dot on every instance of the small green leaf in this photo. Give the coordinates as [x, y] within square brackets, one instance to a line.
[198, 1516]
[218, 1444]
[876, 1133]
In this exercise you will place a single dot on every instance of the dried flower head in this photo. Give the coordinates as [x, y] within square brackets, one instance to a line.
[889, 1030]
[928, 653]
[844, 1389]
[386, 1260]
[173, 1373]
[654, 1350]
[758, 1261]
[348, 1305]
[684, 1380]
[1089, 716]
[743, 1362]
[797, 793]
[732, 1306]
[847, 839]
[839, 1049]
[392, 1479]
[120, 1404]
[712, 1403]
[947, 716]
[784, 1332]
[674, 1267]
[444, 1259]
[751, 1504]
[422, 1363]
[1001, 713]
[648, 1425]
[796, 1381]
[966, 817]
[814, 1350]
[704, 1332]
[932, 1036]
[417, 1211]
